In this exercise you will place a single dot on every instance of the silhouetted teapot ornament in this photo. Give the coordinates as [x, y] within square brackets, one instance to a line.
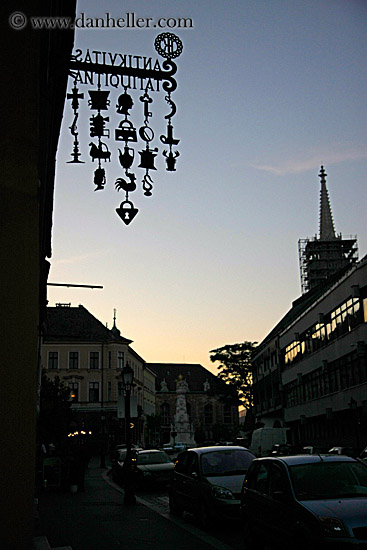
[127, 157]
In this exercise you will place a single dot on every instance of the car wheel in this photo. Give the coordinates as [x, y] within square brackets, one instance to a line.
[174, 508]
[205, 518]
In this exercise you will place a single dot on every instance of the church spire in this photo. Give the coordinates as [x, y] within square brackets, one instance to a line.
[327, 231]
[115, 331]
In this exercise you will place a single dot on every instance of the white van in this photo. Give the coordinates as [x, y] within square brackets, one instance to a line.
[263, 440]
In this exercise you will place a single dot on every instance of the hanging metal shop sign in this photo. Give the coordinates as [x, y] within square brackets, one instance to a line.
[129, 72]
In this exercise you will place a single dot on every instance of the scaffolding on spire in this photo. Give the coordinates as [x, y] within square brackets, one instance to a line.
[323, 256]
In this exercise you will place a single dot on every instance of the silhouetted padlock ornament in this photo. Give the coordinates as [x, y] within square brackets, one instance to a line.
[127, 212]
[125, 131]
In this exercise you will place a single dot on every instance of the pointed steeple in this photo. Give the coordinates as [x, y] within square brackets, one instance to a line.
[115, 331]
[327, 231]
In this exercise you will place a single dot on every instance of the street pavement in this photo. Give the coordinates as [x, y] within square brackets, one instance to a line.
[97, 519]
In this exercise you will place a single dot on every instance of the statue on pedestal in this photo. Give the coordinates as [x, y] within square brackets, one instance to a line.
[182, 426]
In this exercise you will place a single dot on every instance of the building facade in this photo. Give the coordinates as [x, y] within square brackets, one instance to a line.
[310, 372]
[36, 66]
[211, 406]
[89, 358]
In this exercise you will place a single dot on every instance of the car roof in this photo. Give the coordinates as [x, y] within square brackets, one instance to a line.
[145, 451]
[307, 459]
[216, 448]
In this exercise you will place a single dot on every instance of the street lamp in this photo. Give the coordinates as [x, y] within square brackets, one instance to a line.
[127, 382]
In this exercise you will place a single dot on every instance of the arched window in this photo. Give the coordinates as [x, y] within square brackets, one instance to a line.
[165, 413]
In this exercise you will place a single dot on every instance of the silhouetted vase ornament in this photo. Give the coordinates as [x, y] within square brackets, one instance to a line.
[124, 104]
[127, 212]
[171, 160]
[125, 131]
[147, 158]
[99, 100]
[99, 178]
[127, 157]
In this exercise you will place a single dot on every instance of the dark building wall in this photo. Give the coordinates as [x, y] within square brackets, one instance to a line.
[26, 185]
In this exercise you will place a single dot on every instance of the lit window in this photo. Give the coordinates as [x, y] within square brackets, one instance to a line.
[74, 391]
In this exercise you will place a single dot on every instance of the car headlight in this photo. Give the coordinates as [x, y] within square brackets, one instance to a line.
[332, 527]
[222, 492]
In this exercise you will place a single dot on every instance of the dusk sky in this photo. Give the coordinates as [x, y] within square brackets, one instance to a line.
[267, 92]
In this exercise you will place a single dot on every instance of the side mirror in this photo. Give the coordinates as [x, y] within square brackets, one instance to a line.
[194, 475]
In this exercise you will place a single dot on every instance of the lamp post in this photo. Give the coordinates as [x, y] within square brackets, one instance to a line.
[127, 382]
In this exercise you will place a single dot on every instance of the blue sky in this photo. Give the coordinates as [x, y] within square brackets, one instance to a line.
[267, 92]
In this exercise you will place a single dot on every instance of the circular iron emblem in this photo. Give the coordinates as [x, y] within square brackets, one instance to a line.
[168, 45]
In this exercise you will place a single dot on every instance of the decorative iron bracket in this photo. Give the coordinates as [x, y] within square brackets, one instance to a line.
[126, 72]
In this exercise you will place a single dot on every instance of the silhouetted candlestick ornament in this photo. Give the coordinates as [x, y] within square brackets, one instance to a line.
[130, 72]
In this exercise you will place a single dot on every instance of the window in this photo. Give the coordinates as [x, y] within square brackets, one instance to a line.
[227, 414]
[208, 414]
[73, 359]
[120, 359]
[165, 413]
[277, 481]
[94, 360]
[120, 388]
[261, 481]
[74, 391]
[110, 359]
[93, 392]
[109, 391]
[53, 360]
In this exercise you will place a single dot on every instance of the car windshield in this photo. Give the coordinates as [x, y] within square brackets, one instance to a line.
[152, 458]
[324, 480]
[121, 455]
[226, 462]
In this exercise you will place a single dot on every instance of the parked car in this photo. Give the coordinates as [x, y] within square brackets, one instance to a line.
[207, 481]
[174, 449]
[305, 502]
[363, 455]
[263, 439]
[152, 467]
[280, 449]
[314, 450]
[118, 460]
[348, 451]
[118, 464]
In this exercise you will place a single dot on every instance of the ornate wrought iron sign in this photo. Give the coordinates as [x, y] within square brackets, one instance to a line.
[126, 73]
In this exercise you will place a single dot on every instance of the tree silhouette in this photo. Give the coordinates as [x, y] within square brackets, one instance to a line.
[55, 412]
[235, 368]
